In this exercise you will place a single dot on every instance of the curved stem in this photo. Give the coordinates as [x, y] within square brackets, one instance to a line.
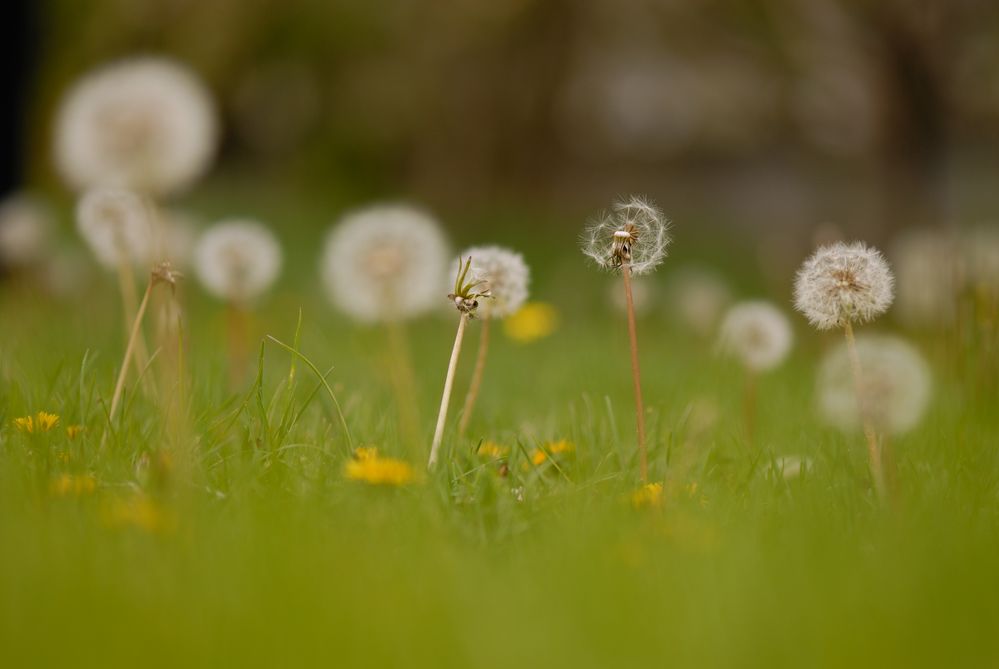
[119, 385]
[873, 449]
[446, 397]
[473, 388]
[635, 374]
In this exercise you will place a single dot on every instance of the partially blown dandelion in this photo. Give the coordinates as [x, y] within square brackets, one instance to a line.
[632, 238]
[839, 285]
[506, 276]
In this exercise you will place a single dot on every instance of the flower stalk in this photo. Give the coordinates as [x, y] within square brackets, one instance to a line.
[873, 447]
[477, 374]
[643, 458]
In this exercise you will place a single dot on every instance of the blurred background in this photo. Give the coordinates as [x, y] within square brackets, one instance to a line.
[775, 115]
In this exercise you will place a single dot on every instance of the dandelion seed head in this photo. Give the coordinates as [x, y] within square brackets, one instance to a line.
[757, 333]
[503, 273]
[237, 260]
[385, 262]
[895, 381]
[117, 226]
[928, 271]
[633, 232]
[843, 283]
[148, 124]
[25, 230]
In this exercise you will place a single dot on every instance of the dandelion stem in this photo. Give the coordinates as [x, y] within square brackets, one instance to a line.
[476, 383]
[119, 386]
[237, 336]
[403, 383]
[448, 384]
[126, 284]
[749, 407]
[873, 449]
[643, 457]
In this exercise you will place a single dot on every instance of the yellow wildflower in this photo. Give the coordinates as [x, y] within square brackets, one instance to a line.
[140, 512]
[649, 495]
[490, 449]
[40, 422]
[73, 485]
[369, 467]
[73, 431]
[533, 321]
[539, 455]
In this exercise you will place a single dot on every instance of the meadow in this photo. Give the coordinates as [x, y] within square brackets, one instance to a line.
[211, 525]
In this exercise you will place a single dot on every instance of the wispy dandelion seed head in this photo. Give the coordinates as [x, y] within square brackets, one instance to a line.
[117, 226]
[633, 232]
[843, 283]
[237, 260]
[757, 333]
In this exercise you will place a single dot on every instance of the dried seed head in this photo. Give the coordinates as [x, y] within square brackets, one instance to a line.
[117, 226]
[502, 272]
[843, 283]
[633, 232]
[237, 260]
[757, 333]
[25, 230]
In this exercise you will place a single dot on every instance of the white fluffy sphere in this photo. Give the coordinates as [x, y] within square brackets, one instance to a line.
[505, 275]
[117, 226]
[25, 230]
[758, 334]
[237, 260]
[843, 283]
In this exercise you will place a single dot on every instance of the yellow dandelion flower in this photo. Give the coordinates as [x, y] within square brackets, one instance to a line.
[140, 512]
[73, 431]
[369, 467]
[560, 447]
[533, 321]
[42, 421]
[649, 495]
[75, 485]
[490, 449]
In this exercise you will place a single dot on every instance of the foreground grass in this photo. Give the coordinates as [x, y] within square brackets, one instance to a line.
[230, 535]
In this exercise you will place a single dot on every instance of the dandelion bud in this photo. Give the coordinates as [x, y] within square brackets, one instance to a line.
[843, 283]
[502, 273]
[237, 260]
[758, 334]
[117, 226]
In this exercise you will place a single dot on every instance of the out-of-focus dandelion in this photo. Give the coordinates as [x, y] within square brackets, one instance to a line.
[631, 238]
[43, 421]
[468, 292]
[698, 296]
[894, 392]
[492, 450]
[25, 231]
[928, 272]
[505, 275]
[533, 321]
[73, 485]
[74, 431]
[148, 124]
[386, 264]
[551, 449]
[837, 286]
[140, 512]
[759, 335]
[649, 495]
[368, 466]
[237, 261]
[791, 466]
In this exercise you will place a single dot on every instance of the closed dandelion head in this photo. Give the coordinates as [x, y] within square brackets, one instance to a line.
[895, 386]
[25, 230]
[237, 260]
[117, 226]
[928, 272]
[843, 283]
[634, 232]
[147, 124]
[385, 262]
[757, 333]
[468, 289]
[502, 272]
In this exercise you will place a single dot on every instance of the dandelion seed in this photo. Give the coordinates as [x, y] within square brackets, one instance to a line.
[367, 466]
[384, 263]
[757, 333]
[533, 321]
[633, 238]
[25, 230]
[237, 260]
[116, 224]
[147, 124]
[895, 387]
[40, 422]
[73, 485]
[843, 283]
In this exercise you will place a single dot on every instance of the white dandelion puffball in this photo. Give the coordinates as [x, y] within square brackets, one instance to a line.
[117, 226]
[699, 296]
[634, 232]
[643, 293]
[791, 466]
[843, 283]
[895, 382]
[147, 124]
[757, 333]
[503, 273]
[385, 262]
[237, 260]
[928, 277]
[25, 230]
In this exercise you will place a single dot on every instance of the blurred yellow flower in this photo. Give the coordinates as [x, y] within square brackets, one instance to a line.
[369, 467]
[40, 422]
[73, 431]
[141, 512]
[534, 320]
[649, 495]
[539, 455]
[73, 484]
[490, 449]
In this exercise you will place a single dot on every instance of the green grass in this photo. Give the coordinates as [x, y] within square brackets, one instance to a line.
[266, 555]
